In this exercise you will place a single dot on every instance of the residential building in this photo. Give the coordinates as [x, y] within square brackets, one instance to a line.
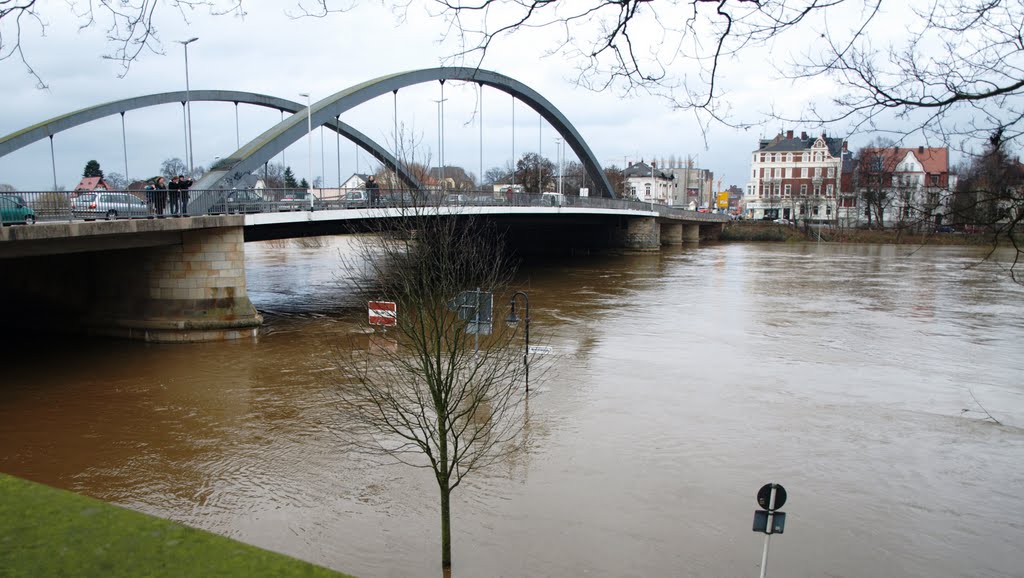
[92, 184]
[898, 187]
[795, 178]
[645, 182]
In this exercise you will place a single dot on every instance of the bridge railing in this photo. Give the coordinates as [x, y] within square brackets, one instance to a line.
[30, 207]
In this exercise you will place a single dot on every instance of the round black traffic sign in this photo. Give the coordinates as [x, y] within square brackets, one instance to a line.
[765, 494]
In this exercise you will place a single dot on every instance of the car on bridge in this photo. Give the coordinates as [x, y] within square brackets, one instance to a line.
[239, 201]
[14, 210]
[299, 201]
[108, 205]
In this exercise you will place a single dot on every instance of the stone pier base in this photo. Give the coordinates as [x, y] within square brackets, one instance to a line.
[188, 287]
[671, 234]
[691, 234]
[642, 234]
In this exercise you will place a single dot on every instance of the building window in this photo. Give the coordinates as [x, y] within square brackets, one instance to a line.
[829, 190]
[771, 158]
[831, 172]
[803, 190]
[789, 157]
[828, 211]
[803, 173]
[787, 189]
[935, 180]
[817, 190]
[647, 190]
[776, 190]
[817, 172]
[814, 211]
[789, 172]
[803, 210]
[632, 191]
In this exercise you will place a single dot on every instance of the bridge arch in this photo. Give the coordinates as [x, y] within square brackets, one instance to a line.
[48, 128]
[277, 138]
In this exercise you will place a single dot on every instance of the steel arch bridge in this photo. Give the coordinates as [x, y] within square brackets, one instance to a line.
[48, 128]
[247, 159]
[277, 138]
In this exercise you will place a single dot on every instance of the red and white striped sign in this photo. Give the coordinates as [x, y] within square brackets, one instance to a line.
[383, 313]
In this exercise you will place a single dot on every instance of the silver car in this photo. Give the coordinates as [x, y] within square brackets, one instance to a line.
[108, 205]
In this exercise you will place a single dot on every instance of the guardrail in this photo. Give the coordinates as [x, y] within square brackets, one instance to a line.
[31, 207]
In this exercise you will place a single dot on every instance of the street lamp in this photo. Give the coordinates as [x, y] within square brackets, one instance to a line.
[309, 139]
[513, 320]
[188, 103]
[558, 157]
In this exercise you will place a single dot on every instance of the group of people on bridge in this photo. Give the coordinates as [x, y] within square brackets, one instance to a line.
[159, 192]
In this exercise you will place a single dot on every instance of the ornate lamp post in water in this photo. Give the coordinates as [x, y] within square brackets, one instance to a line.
[513, 320]
[188, 103]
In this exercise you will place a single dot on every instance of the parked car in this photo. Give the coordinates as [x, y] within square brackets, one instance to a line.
[456, 199]
[14, 210]
[355, 200]
[298, 201]
[108, 205]
[945, 229]
[783, 222]
[239, 201]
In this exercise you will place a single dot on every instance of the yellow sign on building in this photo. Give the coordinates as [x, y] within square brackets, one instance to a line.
[723, 200]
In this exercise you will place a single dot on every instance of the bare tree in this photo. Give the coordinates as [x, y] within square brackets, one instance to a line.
[424, 395]
[129, 25]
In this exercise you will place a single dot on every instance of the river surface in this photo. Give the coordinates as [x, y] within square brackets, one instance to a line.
[680, 383]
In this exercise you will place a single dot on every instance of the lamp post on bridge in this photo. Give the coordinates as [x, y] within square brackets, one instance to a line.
[188, 103]
[558, 157]
[309, 140]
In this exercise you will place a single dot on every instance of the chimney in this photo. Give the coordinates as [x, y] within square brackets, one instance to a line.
[654, 164]
[630, 164]
[920, 150]
[803, 135]
[789, 135]
[846, 147]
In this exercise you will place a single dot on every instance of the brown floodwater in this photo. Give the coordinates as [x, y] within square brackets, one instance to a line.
[680, 383]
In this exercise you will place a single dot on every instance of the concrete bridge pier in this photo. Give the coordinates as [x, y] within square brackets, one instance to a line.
[691, 234]
[190, 292]
[671, 234]
[643, 234]
[160, 281]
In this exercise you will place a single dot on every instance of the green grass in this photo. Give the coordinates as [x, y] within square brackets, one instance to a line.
[50, 532]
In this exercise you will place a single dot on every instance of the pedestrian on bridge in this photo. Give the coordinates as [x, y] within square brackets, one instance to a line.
[160, 196]
[373, 191]
[174, 194]
[184, 184]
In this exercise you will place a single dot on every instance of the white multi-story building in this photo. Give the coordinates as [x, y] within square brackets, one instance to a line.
[795, 178]
[898, 187]
[645, 182]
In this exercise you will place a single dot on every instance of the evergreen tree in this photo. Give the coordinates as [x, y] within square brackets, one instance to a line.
[92, 169]
[303, 184]
[289, 179]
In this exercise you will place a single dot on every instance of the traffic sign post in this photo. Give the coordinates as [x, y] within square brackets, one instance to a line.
[770, 498]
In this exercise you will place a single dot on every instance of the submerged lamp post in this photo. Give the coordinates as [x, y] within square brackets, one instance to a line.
[513, 320]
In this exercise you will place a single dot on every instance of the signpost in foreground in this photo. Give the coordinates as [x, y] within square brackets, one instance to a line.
[770, 498]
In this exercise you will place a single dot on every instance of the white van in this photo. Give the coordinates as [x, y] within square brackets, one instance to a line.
[552, 199]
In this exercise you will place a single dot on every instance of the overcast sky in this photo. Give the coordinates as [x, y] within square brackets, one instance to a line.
[268, 52]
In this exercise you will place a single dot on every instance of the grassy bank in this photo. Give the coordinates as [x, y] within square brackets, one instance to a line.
[50, 532]
[762, 231]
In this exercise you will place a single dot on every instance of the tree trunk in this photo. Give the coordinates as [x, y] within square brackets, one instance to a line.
[446, 529]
